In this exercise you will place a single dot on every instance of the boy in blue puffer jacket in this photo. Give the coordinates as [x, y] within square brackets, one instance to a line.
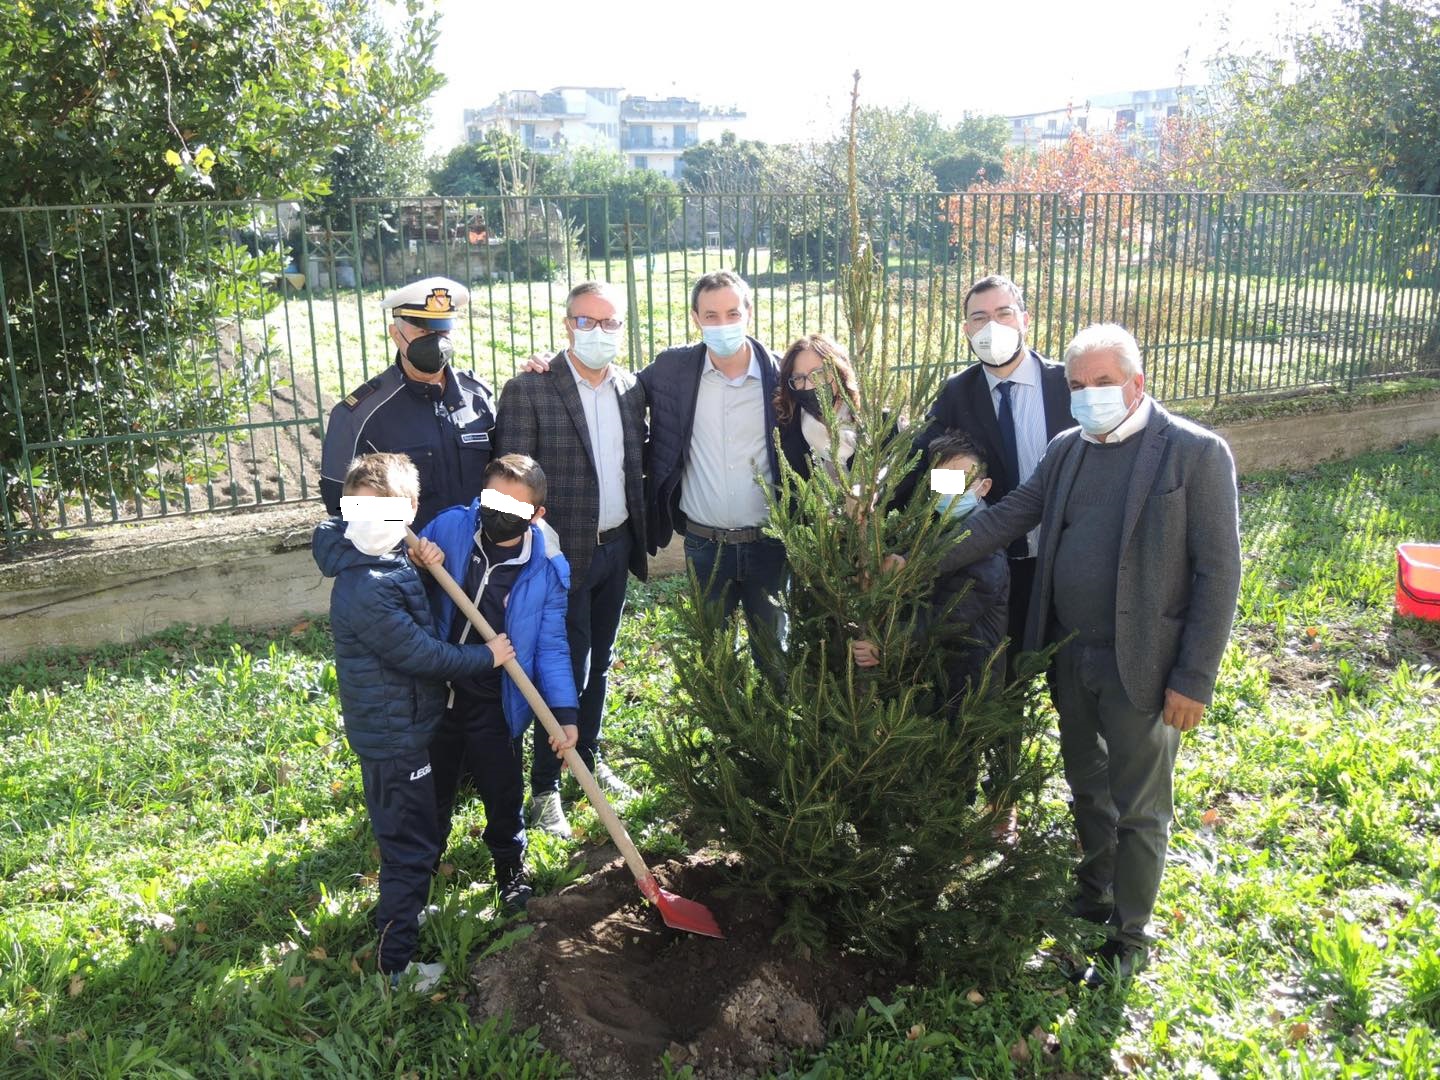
[510, 564]
[392, 668]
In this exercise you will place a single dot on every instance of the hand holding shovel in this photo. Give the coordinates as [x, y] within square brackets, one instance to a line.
[679, 913]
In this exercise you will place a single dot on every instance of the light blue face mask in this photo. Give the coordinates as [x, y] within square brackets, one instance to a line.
[724, 340]
[959, 507]
[1099, 409]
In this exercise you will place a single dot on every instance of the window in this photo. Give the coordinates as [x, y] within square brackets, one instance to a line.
[1051, 124]
[639, 161]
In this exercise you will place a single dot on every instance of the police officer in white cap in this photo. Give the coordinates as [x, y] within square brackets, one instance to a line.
[421, 406]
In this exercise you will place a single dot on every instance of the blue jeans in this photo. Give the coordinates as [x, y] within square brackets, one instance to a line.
[752, 576]
[591, 623]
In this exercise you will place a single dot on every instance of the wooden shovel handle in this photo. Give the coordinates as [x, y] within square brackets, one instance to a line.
[552, 726]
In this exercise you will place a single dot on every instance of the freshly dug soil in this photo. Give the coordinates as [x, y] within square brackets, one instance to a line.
[612, 988]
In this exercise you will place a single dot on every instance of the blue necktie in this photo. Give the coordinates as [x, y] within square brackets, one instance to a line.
[1011, 454]
[1008, 450]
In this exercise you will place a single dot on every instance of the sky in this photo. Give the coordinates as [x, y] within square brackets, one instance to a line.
[787, 64]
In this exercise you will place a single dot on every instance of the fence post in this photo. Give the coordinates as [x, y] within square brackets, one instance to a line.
[10, 531]
[631, 300]
[19, 418]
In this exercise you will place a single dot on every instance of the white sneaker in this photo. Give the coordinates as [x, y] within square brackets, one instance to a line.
[421, 978]
[547, 814]
[612, 784]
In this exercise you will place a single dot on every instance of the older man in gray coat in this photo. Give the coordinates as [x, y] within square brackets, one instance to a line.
[1137, 576]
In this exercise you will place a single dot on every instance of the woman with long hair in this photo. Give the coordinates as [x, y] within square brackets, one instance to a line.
[813, 370]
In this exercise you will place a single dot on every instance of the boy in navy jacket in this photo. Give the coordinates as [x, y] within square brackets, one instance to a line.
[392, 670]
[981, 612]
[510, 565]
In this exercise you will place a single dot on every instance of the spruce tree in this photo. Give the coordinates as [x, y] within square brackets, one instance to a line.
[853, 795]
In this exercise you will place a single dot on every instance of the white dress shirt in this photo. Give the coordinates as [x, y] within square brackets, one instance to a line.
[1027, 404]
[607, 444]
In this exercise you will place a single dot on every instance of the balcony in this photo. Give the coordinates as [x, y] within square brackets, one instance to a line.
[669, 108]
[654, 145]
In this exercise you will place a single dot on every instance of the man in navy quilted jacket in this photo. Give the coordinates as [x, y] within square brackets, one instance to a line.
[392, 669]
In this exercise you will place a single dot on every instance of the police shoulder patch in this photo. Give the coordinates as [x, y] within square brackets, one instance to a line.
[361, 392]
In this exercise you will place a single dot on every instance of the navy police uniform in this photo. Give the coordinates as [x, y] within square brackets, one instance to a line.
[444, 429]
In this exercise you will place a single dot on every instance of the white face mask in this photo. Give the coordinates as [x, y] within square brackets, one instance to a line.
[596, 348]
[1099, 409]
[996, 343]
[375, 537]
[376, 524]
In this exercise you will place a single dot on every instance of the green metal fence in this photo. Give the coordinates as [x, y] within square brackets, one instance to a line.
[177, 358]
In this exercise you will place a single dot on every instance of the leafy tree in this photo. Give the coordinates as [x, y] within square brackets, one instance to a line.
[974, 151]
[494, 165]
[727, 164]
[644, 197]
[383, 150]
[118, 327]
[731, 166]
[1357, 109]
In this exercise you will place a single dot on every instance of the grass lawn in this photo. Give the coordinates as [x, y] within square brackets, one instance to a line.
[186, 872]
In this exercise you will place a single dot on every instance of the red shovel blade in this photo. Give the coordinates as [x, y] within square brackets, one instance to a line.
[690, 915]
[679, 913]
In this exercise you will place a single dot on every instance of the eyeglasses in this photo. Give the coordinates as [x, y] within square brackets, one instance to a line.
[980, 318]
[808, 381]
[585, 322]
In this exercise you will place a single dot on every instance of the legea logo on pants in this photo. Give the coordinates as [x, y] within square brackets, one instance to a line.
[420, 774]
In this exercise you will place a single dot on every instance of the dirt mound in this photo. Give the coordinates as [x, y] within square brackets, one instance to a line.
[612, 988]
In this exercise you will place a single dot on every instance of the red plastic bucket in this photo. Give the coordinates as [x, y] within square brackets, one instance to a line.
[1417, 588]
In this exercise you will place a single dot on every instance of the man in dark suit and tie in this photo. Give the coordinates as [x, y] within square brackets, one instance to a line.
[1010, 405]
[1138, 575]
[583, 420]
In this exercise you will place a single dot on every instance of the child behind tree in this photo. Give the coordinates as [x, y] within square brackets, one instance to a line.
[981, 614]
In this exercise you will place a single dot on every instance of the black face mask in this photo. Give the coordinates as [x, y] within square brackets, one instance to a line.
[430, 353]
[499, 527]
[809, 400]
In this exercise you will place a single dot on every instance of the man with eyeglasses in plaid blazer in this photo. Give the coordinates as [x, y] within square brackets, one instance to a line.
[583, 420]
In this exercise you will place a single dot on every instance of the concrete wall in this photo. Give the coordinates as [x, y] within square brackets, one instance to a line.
[1299, 442]
[255, 569]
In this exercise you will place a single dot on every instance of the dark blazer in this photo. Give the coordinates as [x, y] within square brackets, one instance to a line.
[540, 414]
[672, 386]
[964, 404]
[1179, 572]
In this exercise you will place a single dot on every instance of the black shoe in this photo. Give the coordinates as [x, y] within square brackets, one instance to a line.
[514, 885]
[1116, 962]
[1080, 906]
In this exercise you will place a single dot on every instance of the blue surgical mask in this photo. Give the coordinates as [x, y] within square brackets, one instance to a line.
[724, 340]
[596, 347]
[1098, 409]
[959, 507]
